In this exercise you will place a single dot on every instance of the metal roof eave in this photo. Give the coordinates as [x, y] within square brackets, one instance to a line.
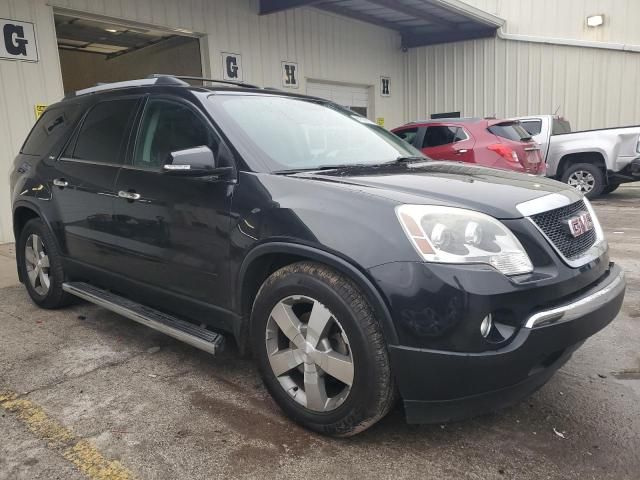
[474, 13]
[477, 23]
[413, 40]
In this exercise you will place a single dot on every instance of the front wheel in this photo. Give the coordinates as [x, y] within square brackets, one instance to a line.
[587, 178]
[320, 350]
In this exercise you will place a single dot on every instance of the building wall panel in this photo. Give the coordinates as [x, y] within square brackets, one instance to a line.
[567, 18]
[592, 88]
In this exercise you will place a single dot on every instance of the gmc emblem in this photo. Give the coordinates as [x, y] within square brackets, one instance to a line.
[580, 224]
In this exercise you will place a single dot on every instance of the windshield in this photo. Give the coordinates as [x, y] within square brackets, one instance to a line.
[298, 134]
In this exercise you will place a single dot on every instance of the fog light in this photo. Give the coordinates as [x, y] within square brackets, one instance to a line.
[485, 326]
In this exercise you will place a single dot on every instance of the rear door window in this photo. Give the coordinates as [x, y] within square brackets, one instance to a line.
[52, 126]
[104, 132]
[441, 135]
[461, 135]
[408, 135]
[511, 131]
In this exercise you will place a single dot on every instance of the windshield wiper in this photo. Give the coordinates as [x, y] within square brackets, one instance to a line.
[325, 167]
[410, 159]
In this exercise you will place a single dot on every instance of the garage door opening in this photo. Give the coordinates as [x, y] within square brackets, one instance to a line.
[93, 52]
[354, 97]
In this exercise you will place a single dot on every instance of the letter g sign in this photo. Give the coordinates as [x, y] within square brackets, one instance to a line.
[14, 40]
[18, 41]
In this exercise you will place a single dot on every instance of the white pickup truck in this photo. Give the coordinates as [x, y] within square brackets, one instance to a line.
[595, 162]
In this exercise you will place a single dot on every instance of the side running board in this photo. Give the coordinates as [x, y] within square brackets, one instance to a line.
[186, 332]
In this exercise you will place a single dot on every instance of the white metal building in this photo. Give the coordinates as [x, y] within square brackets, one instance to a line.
[543, 59]
[392, 60]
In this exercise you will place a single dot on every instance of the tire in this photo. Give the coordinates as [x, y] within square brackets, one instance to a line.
[352, 332]
[586, 178]
[612, 187]
[36, 241]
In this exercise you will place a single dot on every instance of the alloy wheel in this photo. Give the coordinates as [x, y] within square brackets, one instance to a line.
[582, 181]
[309, 353]
[37, 263]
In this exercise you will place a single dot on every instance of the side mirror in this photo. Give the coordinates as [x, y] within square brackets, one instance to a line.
[194, 162]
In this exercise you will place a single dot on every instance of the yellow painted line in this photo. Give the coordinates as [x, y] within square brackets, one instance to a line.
[86, 457]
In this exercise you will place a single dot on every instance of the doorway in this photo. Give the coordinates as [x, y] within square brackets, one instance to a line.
[99, 51]
[354, 97]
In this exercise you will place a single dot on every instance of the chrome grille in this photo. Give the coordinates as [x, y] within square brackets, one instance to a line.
[552, 224]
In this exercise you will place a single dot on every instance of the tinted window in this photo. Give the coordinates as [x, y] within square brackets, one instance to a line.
[437, 136]
[408, 135]
[534, 127]
[510, 131]
[167, 127]
[104, 132]
[49, 129]
[461, 135]
[560, 126]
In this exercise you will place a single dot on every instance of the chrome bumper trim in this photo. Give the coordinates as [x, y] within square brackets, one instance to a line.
[580, 307]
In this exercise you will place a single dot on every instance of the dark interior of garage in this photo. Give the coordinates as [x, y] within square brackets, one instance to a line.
[94, 52]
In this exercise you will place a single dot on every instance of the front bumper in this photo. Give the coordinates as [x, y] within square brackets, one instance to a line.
[441, 386]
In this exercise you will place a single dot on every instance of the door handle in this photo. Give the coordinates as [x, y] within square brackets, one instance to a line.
[130, 195]
[60, 182]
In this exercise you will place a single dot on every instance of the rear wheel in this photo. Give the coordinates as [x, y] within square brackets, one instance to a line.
[320, 350]
[40, 265]
[587, 178]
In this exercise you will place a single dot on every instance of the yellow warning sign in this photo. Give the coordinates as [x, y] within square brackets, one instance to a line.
[380, 121]
[40, 107]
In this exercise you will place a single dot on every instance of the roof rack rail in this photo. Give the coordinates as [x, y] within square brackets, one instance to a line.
[160, 80]
[202, 79]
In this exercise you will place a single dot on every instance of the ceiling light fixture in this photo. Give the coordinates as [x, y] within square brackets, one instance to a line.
[595, 20]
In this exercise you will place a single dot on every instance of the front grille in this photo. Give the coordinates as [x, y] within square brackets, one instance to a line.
[553, 225]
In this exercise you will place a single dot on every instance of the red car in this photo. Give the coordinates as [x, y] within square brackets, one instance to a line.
[488, 142]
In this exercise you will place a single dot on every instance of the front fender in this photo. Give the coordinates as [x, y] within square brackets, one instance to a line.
[359, 277]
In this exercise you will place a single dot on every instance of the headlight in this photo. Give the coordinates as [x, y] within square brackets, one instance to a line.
[455, 235]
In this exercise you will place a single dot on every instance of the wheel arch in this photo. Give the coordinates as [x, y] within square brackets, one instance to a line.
[596, 158]
[22, 213]
[264, 259]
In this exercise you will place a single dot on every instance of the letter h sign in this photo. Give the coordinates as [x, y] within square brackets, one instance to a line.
[290, 74]
[385, 86]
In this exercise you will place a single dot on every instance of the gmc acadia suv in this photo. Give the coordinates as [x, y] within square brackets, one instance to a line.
[353, 269]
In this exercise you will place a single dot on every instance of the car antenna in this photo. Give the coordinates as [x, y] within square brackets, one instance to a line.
[557, 110]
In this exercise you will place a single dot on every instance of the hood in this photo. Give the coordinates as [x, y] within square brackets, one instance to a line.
[491, 191]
